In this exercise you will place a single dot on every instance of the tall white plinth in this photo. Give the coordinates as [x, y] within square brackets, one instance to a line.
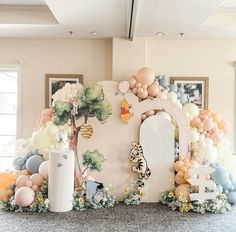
[61, 180]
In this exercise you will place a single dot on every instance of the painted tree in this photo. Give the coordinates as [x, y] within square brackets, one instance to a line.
[89, 102]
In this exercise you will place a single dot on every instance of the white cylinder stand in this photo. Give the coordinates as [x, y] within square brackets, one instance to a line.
[61, 180]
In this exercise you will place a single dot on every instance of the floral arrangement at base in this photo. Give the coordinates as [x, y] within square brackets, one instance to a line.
[217, 205]
[133, 195]
[40, 203]
[101, 199]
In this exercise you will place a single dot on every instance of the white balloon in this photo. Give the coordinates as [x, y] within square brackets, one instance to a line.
[191, 110]
[43, 169]
[164, 114]
[172, 96]
[207, 154]
[194, 135]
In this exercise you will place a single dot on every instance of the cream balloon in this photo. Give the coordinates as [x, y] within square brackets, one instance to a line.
[43, 169]
[123, 86]
[172, 96]
[164, 114]
[191, 110]
[145, 76]
[24, 196]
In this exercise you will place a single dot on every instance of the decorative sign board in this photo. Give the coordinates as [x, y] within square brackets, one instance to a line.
[113, 138]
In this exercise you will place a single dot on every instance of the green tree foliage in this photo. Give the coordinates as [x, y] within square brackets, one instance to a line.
[93, 160]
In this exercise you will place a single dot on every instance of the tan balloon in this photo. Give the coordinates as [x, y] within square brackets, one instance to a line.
[183, 191]
[178, 165]
[179, 180]
[143, 95]
[153, 89]
[145, 76]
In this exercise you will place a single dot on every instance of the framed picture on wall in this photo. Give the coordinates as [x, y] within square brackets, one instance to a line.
[196, 89]
[54, 82]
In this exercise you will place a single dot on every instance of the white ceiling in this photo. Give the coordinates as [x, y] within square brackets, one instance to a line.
[198, 19]
[23, 2]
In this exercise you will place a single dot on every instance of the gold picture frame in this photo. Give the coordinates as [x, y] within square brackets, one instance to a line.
[53, 82]
[196, 88]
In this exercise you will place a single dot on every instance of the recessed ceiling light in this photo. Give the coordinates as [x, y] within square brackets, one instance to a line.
[160, 33]
[71, 32]
[181, 34]
[94, 33]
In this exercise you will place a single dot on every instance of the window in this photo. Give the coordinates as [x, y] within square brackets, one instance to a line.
[9, 102]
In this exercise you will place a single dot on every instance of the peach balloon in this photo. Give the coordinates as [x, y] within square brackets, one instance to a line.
[28, 183]
[150, 113]
[183, 191]
[162, 95]
[138, 85]
[24, 196]
[140, 90]
[35, 187]
[208, 124]
[224, 126]
[153, 89]
[144, 86]
[180, 180]
[195, 122]
[216, 117]
[145, 76]
[143, 95]
[186, 176]
[21, 180]
[135, 90]
[132, 82]
[3, 195]
[178, 165]
[36, 179]
[143, 116]
[216, 137]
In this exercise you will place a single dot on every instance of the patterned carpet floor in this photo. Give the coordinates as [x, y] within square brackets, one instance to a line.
[147, 217]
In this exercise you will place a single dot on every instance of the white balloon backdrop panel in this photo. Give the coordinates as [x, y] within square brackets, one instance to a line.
[157, 140]
[113, 139]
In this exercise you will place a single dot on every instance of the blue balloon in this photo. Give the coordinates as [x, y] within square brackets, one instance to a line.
[221, 176]
[18, 162]
[219, 188]
[231, 197]
[226, 191]
[163, 82]
[33, 163]
[158, 77]
[183, 98]
[173, 87]
[36, 152]
[181, 90]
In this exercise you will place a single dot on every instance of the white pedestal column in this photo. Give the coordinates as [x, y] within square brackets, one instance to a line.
[61, 180]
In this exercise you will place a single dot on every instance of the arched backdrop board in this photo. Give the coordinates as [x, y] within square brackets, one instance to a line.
[113, 139]
[157, 139]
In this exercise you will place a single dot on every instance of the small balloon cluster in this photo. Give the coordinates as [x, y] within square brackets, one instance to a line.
[211, 125]
[182, 167]
[28, 185]
[143, 84]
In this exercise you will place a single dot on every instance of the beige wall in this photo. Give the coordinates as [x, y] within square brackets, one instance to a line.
[211, 58]
[117, 60]
[92, 58]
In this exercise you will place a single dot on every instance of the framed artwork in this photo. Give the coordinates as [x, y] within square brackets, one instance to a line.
[196, 89]
[54, 82]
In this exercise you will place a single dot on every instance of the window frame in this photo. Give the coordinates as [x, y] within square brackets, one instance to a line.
[16, 68]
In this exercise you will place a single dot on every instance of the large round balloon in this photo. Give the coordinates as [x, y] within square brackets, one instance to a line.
[153, 89]
[24, 196]
[33, 163]
[36, 179]
[145, 76]
[231, 197]
[183, 191]
[191, 110]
